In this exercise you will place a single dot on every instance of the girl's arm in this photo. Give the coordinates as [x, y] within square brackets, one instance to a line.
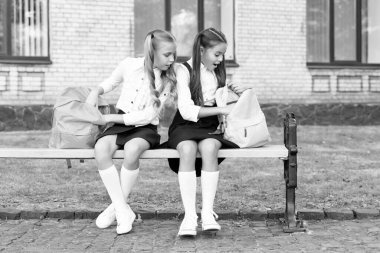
[146, 113]
[116, 77]
[135, 118]
[211, 111]
[108, 84]
[189, 111]
[114, 118]
[92, 98]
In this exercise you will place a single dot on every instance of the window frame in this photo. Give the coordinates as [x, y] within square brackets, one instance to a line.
[201, 16]
[8, 58]
[332, 62]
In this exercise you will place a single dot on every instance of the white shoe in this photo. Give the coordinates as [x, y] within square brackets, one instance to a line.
[209, 223]
[125, 221]
[188, 226]
[106, 218]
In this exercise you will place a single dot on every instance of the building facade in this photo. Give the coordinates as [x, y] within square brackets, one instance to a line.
[303, 55]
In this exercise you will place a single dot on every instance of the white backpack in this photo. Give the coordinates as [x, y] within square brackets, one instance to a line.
[245, 125]
[76, 124]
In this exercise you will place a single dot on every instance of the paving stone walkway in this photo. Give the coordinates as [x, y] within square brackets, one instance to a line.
[52, 235]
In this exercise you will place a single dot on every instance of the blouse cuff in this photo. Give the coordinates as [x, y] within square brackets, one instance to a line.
[191, 114]
[143, 117]
[107, 88]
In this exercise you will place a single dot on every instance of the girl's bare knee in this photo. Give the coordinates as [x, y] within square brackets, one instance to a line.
[103, 153]
[209, 147]
[187, 149]
[131, 161]
[103, 158]
[209, 151]
[132, 152]
[187, 152]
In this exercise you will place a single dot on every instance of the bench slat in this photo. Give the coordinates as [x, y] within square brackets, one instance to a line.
[278, 151]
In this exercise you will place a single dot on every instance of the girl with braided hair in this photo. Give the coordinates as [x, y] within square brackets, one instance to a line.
[146, 84]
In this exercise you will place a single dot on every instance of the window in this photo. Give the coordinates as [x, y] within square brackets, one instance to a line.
[184, 18]
[343, 32]
[24, 31]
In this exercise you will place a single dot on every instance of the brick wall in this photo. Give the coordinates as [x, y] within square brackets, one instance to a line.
[271, 51]
[87, 40]
[89, 37]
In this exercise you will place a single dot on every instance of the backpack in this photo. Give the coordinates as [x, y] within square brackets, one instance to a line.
[76, 124]
[245, 125]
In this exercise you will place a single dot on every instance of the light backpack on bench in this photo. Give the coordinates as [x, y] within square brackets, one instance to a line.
[245, 125]
[76, 124]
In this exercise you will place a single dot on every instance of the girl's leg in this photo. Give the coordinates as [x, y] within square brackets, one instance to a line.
[104, 149]
[133, 149]
[210, 175]
[188, 186]
[129, 172]
[128, 176]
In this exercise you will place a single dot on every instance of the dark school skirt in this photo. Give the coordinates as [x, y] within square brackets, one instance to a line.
[126, 133]
[182, 130]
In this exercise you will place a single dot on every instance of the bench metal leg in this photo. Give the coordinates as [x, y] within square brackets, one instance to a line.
[290, 175]
[68, 161]
[69, 165]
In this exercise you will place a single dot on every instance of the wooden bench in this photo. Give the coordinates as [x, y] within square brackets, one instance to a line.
[286, 152]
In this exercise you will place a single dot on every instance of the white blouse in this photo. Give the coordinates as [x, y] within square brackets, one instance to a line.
[189, 111]
[135, 98]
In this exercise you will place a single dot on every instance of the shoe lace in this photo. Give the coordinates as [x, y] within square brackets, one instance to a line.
[214, 214]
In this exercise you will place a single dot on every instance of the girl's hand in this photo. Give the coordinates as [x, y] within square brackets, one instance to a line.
[92, 98]
[227, 109]
[239, 88]
[107, 120]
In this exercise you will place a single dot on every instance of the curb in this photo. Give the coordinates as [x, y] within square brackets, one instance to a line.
[304, 214]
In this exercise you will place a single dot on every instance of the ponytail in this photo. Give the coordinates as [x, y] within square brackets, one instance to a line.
[148, 67]
[207, 38]
[195, 77]
[168, 77]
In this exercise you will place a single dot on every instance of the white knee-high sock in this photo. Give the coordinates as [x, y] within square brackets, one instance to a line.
[188, 187]
[111, 180]
[209, 183]
[128, 179]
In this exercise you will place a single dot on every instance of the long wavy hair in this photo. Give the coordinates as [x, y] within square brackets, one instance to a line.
[152, 42]
[207, 38]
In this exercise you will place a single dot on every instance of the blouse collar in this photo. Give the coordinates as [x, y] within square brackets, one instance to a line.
[203, 67]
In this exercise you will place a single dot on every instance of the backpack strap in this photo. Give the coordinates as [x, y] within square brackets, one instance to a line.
[187, 65]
